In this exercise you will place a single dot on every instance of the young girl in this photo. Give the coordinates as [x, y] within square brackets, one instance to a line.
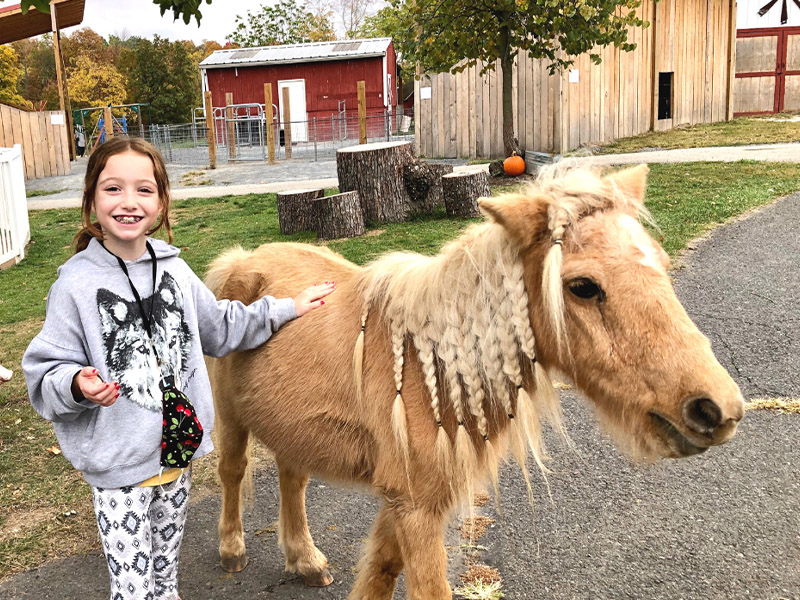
[118, 366]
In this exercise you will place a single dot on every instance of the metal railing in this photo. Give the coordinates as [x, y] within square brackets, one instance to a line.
[15, 229]
[241, 135]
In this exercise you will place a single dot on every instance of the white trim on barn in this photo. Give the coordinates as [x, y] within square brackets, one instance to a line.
[747, 14]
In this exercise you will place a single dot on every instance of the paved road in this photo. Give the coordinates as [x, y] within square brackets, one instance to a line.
[723, 525]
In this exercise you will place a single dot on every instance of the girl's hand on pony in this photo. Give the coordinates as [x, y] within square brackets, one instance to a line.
[88, 384]
[312, 297]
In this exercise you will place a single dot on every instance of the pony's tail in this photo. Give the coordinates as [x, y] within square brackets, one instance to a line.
[358, 359]
[222, 267]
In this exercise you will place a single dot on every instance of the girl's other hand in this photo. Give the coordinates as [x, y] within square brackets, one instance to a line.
[88, 384]
[312, 297]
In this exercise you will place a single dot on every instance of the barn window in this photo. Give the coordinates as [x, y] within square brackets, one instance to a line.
[665, 95]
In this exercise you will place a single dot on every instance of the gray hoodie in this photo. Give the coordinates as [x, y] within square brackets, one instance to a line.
[94, 320]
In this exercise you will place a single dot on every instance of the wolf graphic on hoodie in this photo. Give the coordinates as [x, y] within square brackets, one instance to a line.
[129, 353]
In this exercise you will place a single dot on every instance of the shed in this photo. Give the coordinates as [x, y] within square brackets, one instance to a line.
[681, 73]
[322, 77]
[767, 57]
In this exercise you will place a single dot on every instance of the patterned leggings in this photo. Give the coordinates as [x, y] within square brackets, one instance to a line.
[141, 529]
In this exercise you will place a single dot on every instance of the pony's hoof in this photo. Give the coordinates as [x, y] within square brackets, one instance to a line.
[233, 564]
[318, 579]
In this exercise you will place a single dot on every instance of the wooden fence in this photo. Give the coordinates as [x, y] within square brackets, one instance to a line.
[688, 46]
[44, 139]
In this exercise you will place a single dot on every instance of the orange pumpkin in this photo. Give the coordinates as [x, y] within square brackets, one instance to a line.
[514, 165]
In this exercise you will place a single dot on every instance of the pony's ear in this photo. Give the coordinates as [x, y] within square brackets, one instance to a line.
[520, 215]
[630, 183]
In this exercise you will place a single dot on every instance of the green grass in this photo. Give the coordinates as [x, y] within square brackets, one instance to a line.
[737, 132]
[685, 199]
[35, 193]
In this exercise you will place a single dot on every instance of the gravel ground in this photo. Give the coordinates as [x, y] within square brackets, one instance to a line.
[723, 525]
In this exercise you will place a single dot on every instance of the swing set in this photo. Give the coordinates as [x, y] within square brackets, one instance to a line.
[126, 119]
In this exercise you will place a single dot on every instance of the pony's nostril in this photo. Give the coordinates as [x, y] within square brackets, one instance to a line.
[702, 415]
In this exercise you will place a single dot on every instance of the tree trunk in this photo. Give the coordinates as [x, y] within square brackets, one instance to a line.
[376, 172]
[338, 216]
[294, 210]
[510, 142]
[461, 193]
[423, 183]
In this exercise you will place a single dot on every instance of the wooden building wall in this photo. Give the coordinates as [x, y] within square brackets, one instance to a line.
[45, 146]
[599, 103]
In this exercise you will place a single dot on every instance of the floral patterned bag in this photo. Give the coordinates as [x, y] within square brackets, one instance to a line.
[181, 432]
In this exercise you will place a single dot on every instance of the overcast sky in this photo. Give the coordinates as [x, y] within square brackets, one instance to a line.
[143, 18]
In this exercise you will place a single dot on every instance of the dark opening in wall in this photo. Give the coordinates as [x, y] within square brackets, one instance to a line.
[665, 95]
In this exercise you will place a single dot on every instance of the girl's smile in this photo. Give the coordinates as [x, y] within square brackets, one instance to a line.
[126, 203]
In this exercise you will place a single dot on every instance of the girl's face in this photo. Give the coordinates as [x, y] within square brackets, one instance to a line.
[126, 203]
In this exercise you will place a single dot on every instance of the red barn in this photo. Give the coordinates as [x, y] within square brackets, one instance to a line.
[322, 77]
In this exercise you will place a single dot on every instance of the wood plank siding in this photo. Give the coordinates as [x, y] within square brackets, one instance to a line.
[45, 146]
[691, 39]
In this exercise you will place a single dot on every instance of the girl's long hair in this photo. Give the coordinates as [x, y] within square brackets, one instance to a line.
[97, 162]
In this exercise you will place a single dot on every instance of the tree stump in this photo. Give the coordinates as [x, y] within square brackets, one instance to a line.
[375, 171]
[423, 181]
[461, 192]
[294, 210]
[338, 216]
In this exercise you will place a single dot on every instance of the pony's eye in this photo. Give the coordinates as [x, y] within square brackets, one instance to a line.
[585, 288]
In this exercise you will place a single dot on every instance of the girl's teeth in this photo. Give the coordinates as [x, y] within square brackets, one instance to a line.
[128, 220]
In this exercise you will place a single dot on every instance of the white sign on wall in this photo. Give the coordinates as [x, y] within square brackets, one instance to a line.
[57, 119]
[425, 93]
[574, 76]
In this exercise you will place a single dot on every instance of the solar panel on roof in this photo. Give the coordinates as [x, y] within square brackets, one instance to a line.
[347, 47]
[239, 54]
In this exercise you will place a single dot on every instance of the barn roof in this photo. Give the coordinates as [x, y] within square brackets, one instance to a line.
[297, 53]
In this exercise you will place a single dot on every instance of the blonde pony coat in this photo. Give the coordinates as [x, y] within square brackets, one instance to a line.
[422, 372]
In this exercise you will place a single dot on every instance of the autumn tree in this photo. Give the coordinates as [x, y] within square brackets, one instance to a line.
[94, 84]
[37, 80]
[284, 23]
[432, 34]
[84, 42]
[353, 14]
[163, 74]
[10, 73]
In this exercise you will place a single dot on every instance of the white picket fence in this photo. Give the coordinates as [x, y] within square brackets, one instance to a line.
[15, 229]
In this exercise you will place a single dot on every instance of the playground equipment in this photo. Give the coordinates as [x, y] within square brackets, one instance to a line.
[127, 119]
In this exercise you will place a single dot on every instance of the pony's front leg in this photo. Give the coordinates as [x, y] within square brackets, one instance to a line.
[232, 440]
[302, 555]
[420, 534]
[382, 562]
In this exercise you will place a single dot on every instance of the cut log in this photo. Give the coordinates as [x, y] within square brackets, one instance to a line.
[423, 181]
[461, 192]
[294, 210]
[375, 171]
[338, 216]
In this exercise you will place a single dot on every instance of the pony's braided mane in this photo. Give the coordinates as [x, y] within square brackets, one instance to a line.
[466, 310]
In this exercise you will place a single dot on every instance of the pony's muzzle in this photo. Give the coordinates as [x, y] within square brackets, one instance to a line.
[708, 419]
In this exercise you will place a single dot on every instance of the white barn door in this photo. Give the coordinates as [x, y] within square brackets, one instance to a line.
[297, 107]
